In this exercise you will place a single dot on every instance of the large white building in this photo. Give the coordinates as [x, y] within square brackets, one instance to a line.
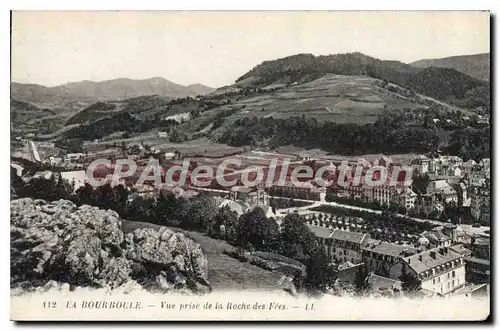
[441, 270]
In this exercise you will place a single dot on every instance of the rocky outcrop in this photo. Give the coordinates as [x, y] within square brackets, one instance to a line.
[85, 247]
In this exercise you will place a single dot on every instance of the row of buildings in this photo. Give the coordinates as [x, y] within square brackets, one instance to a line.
[442, 264]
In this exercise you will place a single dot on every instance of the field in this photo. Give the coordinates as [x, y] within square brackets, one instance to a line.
[224, 272]
[335, 98]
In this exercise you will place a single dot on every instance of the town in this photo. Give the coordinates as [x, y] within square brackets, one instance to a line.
[436, 228]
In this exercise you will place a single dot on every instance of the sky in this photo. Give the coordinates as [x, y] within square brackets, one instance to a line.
[215, 48]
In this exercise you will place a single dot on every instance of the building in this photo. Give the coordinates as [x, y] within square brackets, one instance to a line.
[421, 164]
[480, 201]
[478, 270]
[441, 270]
[76, 178]
[379, 256]
[407, 198]
[240, 192]
[381, 285]
[347, 271]
[472, 291]
[384, 161]
[341, 246]
[74, 157]
[436, 238]
[435, 166]
[170, 155]
[442, 191]
[238, 207]
[481, 247]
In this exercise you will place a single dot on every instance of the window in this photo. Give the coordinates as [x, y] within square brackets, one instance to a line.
[434, 281]
[448, 275]
[439, 279]
[345, 252]
[453, 273]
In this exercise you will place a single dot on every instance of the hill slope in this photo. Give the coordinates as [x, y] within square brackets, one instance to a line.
[477, 65]
[445, 84]
[26, 117]
[115, 89]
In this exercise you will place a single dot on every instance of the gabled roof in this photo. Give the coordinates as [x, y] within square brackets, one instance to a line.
[320, 231]
[354, 237]
[387, 248]
[424, 261]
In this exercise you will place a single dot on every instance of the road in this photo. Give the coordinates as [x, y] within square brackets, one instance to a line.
[33, 151]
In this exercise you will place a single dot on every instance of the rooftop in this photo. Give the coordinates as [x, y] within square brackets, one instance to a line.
[431, 258]
[354, 237]
[319, 231]
[435, 236]
[387, 248]
[378, 282]
[460, 249]
[241, 189]
[478, 261]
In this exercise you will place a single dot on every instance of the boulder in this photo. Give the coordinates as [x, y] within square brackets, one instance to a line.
[58, 242]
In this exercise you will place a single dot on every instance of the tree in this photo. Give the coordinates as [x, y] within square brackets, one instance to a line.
[85, 195]
[49, 189]
[16, 184]
[361, 280]
[318, 275]
[256, 230]
[410, 283]
[296, 240]
[201, 212]
[142, 210]
[224, 224]
[169, 209]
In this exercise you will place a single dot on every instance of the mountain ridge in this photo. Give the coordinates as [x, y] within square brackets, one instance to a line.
[113, 89]
[474, 65]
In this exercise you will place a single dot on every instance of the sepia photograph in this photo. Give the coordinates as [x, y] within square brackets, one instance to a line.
[250, 165]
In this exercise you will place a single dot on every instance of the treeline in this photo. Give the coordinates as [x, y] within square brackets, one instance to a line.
[389, 135]
[121, 122]
[385, 226]
[348, 139]
[470, 144]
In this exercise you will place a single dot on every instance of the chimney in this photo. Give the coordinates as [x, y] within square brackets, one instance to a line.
[433, 254]
[420, 257]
